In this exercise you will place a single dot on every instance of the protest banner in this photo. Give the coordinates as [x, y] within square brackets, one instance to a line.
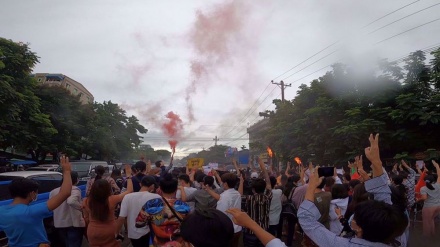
[195, 162]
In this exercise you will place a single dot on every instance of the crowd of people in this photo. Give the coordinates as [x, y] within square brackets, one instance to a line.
[253, 207]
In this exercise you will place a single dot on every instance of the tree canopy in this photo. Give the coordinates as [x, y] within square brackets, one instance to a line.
[328, 120]
[49, 119]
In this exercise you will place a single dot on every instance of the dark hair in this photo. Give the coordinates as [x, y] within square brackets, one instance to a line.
[259, 185]
[380, 222]
[294, 178]
[21, 187]
[208, 180]
[99, 170]
[329, 182]
[353, 183]
[398, 179]
[291, 172]
[207, 227]
[339, 191]
[284, 177]
[230, 179]
[158, 163]
[140, 166]
[116, 173]
[404, 174]
[184, 177]
[347, 176]
[360, 194]
[74, 177]
[168, 184]
[399, 196]
[199, 176]
[273, 181]
[429, 180]
[98, 200]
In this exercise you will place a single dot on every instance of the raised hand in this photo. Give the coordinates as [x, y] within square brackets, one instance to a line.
[127, 169]
[435, 164]
[65, 164]
[314, 179]
[372, 153]
[239, 218]
[363, 174]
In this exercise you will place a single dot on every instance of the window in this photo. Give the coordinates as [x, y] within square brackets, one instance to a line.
[39, 79]
[67, 86]
[75, 90]
[80, 95]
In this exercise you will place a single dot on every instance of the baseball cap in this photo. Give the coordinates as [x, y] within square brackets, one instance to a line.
[148, 181]
[254, 175]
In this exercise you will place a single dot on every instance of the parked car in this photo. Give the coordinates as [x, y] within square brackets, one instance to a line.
[86, 168]
[43, 168]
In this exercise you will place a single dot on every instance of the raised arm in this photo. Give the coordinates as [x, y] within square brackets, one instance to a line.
[265, 174]
[240, 186]
[437, 168]
[287, 169]
[372, 154]
[212, 193]
[411, 171]
[242, 219]
[66, 186]
[234, 162]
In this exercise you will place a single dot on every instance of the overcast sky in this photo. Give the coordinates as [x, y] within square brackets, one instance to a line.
[208, 61]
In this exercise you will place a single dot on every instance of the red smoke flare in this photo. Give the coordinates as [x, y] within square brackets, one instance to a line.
[173, 128]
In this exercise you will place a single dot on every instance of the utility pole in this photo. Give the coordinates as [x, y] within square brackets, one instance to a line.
[216, 140]
[282, 86]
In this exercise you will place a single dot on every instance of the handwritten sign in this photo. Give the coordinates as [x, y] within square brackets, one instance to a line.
[195, 162]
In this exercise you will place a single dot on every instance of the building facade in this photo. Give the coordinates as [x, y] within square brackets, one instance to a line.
[68, 83]
[256, 133]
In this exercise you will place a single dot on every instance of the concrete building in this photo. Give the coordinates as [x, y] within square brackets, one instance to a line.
[70, 84]
[256, 133]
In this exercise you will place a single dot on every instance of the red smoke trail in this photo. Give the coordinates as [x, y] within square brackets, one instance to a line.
[213, 38]
[173, 128]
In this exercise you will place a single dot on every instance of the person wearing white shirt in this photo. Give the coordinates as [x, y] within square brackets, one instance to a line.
[230, 198]
[184, 183]
[68, 219]
[130, 207]
[275, 207]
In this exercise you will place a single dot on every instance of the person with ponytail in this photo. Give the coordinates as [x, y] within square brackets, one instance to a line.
[430, 194]
[99, 209]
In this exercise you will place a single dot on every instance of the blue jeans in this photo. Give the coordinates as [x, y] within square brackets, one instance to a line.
[71, 236]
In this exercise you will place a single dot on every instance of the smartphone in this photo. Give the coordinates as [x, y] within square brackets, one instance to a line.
[419, 164]
[326, 171]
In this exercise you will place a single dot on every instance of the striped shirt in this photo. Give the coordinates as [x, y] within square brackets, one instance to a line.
[258, 208]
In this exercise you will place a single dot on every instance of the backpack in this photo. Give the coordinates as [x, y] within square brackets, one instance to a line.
[152, 214]
[288, 208]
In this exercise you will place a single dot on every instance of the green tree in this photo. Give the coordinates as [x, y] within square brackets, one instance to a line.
[22, 124]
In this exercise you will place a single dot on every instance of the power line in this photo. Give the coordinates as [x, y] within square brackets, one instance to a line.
[237, 139]
[389, 24]
[340, 40]
[380, 18]
[424, 24]
[246, 117]
[307, 59]
[331, 53]
[256, 101]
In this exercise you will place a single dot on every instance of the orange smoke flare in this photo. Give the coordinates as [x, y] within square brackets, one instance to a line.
[298, 160]
[269, 151]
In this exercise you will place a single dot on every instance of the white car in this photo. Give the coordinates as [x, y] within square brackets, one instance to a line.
[43, 168]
